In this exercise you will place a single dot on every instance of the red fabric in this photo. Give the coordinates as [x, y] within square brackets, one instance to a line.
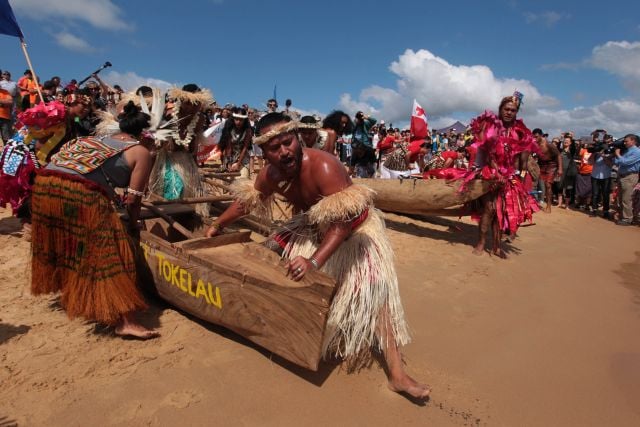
[446, 173]
[419, 126]
[414, 148]
[501, 144]
[387, 143]
[449, 155]
[15, 190]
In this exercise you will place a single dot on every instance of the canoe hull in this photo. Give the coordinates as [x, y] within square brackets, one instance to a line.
[422, 197]
[242, 286]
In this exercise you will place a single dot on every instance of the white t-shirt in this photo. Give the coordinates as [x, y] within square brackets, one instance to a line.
[9, 86]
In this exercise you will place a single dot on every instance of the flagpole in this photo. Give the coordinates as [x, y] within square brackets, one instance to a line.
[33, 73]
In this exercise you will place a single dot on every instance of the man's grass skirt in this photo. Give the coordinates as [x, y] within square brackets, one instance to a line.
[367, 303]
[81, 249]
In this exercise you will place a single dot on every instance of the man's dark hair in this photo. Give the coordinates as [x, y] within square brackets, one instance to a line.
[333, 121]
[144, 91]
[272, 100]
[49, 85]
[83, 91]
[191, 87]
[634, 137]
[225, 138]
[269, 120]
[132, 120]
[309, 120]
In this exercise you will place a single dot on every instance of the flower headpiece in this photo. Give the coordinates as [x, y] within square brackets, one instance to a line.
[517, 98]
[43, 115]
[73, 98]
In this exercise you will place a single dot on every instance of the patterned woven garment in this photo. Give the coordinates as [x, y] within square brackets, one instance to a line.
[83, 155]
[81, 249]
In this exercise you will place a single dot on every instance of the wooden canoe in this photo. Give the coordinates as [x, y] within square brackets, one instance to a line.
[422, 197]
[238, 284]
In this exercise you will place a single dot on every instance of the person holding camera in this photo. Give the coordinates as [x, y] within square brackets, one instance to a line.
[583, 179]
[569, 172]
[628, 161]
[362, 135]
[601, 173]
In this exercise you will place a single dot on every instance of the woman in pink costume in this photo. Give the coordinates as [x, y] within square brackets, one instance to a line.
[503, 147]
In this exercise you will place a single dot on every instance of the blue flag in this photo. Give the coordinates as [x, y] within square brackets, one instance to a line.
[8, 23]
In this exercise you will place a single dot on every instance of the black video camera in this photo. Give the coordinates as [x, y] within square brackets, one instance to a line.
[597, 147]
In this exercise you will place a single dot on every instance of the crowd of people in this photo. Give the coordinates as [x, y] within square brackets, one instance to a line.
[69, 150]
[574, 172]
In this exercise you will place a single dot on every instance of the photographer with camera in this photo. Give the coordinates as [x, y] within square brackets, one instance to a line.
[628, 161]
[601, 174]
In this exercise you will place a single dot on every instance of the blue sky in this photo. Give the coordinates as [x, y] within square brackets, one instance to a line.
[578, 62]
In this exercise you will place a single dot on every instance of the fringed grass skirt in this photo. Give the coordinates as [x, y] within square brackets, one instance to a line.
[80, 248]
[367, 301]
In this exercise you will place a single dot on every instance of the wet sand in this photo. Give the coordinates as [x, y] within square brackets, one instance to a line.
[547, 337]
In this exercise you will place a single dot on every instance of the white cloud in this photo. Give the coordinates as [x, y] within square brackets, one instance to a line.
[441, 88]
[618, 117]
[621, 59]
[548, 18]
[99, 13]
[131, 81]
[446, 91]
[72, 42]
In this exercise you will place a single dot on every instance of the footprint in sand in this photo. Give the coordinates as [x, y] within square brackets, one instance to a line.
[181, 399]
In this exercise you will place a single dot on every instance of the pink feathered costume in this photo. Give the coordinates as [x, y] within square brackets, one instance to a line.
[499, 147]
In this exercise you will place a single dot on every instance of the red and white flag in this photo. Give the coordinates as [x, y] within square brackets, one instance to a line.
[419, 126]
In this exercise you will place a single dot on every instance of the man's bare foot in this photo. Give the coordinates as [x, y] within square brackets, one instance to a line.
[547, 209]
[26, 231]
[408, 385]
[136, 330]
[500, 253]
[478, 250]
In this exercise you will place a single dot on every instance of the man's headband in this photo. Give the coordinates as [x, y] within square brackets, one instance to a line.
[282, 128]
[239, 116]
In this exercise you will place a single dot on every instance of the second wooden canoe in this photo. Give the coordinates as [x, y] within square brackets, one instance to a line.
[422, 197]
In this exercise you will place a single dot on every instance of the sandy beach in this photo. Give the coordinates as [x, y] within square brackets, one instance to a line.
[547, 337]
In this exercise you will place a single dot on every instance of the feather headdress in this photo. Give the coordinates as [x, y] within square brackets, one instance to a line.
[202, 97]
[158, 131]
